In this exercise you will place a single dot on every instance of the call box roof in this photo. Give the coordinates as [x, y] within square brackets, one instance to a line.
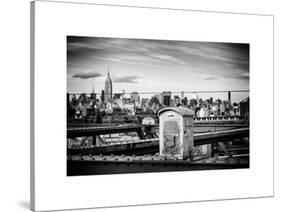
[183, 111]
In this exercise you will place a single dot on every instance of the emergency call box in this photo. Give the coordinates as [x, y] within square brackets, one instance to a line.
[176, 132]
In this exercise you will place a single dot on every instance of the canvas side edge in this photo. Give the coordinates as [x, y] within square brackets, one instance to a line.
[32, 106]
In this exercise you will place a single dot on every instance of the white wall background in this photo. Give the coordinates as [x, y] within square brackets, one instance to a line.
[14, 104]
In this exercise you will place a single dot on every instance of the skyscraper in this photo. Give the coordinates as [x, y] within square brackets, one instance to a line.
[182, 95]
[135, 97]
[167, 98]
[102, 96]
[229, 96]
[93, 97]
[108, 89]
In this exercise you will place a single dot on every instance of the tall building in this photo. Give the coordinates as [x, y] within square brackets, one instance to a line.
[244, 107]
[102, 96]
[222, 109]
[135, 97]
[182, 95]
[167, 98]
[211, 100]
[176, 100]
[203, 112]
[108, 89]
[229, 96]
[144, 102]
[93, 97]
[117, 96]
[184, 101]
[193, 102]
[123, 94]
[195, 96]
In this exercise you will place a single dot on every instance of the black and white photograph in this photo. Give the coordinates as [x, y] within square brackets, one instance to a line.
[144, 105]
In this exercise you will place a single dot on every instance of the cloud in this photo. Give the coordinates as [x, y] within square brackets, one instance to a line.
[217, 64]
[211, 78]
[244, 76]
[126, 79]
[161, 57]
[86, 75]
[117, 60]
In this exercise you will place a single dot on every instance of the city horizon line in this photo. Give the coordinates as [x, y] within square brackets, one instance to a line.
[156, 92]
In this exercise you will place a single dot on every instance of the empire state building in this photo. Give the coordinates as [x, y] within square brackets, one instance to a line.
[108, 89]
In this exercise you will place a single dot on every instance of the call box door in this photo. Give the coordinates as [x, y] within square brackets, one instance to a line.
[172, 144]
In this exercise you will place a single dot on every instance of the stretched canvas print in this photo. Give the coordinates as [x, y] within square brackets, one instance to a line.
[169, 103]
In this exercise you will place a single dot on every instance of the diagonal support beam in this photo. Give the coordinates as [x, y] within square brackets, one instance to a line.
[222, 146]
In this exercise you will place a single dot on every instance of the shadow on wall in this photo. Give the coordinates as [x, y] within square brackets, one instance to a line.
[24, 204]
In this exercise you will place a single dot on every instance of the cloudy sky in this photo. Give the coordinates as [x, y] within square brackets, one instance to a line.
[155, 65]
